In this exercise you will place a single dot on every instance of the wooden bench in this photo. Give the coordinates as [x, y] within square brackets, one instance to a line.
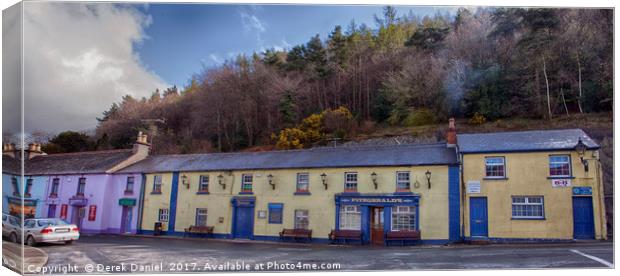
[402, 236]
[296, 234]
[344, 235]
[194, 229]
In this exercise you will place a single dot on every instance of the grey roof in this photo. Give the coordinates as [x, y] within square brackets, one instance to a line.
[11, 165]
[399, 155]
[76, 163]
[537, 140]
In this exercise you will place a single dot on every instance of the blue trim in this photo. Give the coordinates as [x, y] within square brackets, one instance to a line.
[337, 215]
[202, 193]
[403, 193]
[156, 193]
[454, 203]
[365, 213]
[173, 201]
[525, 150]
[561, 177]
[271, 207]
[520, 240]
[495, 178]
[528, 218]
[377, 199]
[242, 202]
[302, 193]
[246, 193]
[141, 203]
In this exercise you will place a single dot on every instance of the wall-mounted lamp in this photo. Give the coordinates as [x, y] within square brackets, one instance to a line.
[184, 181]
[373, 175]
[581, 151]
[428, 179]
[273, 185]
[220, 180]
[324, 179]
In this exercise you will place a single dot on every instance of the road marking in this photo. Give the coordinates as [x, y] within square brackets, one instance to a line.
[608, 264]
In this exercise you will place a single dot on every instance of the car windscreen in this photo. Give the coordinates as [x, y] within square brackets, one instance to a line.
[50, 222]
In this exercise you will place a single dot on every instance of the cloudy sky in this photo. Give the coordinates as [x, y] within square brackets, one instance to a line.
[80, 58]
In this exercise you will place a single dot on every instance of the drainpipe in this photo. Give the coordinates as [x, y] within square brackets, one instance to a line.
[141, 205]
[601, 202]
[463, 191]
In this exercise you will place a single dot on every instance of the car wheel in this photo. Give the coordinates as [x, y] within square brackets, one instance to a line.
[13, 237]
[68, 242]
[30, 241]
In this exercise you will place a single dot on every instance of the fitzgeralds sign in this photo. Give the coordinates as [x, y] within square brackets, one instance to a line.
[560, 183]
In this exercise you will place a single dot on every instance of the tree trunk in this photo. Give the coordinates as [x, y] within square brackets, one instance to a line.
[564, 101]
[547, 84]
[580, 91]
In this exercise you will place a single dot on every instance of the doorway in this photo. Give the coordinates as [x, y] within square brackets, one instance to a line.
[79, 212]
[478, 217]
[376, 226]
[126, 219]
[583, 217]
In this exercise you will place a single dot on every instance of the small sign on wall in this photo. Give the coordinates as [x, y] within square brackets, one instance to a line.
[63, 211]
[92, 213]
[473, 187]
[262, 214]
[560, 183]
[582, 190]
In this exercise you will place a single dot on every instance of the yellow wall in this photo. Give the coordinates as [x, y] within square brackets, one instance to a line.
[320, 204]
[153, 202]
[527, 175]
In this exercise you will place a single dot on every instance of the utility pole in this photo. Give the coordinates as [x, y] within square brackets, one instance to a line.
[153, 129]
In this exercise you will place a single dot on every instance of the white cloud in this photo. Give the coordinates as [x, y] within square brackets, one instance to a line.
[78, 59]
[251, 23]
[216, 59]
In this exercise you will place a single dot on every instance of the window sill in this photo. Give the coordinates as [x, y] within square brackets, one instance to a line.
[528, 218]
[246, 193]
[302, 193]
[350, 193]
[403, 193]
[53, 196]
[156, 192]
[495, 178]
[561, 177]
[128, 192]
[202, 192]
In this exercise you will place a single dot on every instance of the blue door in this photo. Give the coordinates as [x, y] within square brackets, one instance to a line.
[478, 217]
[244, 222]
[583, 218]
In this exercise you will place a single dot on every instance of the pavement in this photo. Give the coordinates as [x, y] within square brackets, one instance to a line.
[12, 256]
[107, 253]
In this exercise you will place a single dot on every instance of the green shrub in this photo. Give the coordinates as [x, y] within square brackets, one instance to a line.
[420, 117]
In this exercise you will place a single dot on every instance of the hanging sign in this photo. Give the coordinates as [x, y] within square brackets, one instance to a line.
[473, 187]
[92, 212]
[63, 211]
[560, 183]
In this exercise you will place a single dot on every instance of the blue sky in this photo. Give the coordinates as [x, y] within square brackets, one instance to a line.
[184, 37]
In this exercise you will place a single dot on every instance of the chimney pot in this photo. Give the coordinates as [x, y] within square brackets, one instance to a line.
[451, 134]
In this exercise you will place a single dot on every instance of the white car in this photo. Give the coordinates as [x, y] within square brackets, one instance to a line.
[49, 230]
[10, 228]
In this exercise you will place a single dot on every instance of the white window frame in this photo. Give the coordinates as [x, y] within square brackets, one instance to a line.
[133, 181]
[201, 212]
[163, 215]
[55, 186]
[487, 164]
[305, 182]
[400, 181]
[527, 203]
[570, 167]
[245, 182]
[399, 213]
[81, 190]
[202, 183]
[299, 215]
[348, 182]
[350, 217]
[157, 184]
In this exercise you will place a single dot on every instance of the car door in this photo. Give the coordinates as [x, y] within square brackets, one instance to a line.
[30, 228]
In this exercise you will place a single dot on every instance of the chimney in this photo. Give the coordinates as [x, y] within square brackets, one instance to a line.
[34, 150]
[8, 149]
[141, 145]
[451, 134]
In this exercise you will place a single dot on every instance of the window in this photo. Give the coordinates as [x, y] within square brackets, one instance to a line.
[403, 218]
[201, 217]
[129, 185]
[528, 207]
[157, 184]
[275, 212]
[495, 167]
[301, 219]
[559, 165]
[203, 186]
[350, 217]
[81, 186]
[303, 181]
[403, 182]
[163, 215]
[246, 183]
[15, 186]
[55, 187]
[350, 182]
[28, 187]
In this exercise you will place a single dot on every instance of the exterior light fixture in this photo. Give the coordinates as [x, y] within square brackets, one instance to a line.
[220, 180]
[581, 150]
[273, 185]
[185, 181]
[428, 179]
[373, 175]
[324, 179]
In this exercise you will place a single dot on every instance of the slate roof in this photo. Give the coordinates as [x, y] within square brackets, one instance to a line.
[76, 163]
[11, 165]
[523, 141]
[399, 155]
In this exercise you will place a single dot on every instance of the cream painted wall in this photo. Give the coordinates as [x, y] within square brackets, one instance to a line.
[153, 202]
[320, 204]
[527, 175]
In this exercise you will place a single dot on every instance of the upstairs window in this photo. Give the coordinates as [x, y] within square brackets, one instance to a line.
[275, 213]
[15, 185]
[28, 187]
[403, 218]
[403, 182]
[301, 219]
[157, 180]
[528, 207]
[129, 184]
[559, 165]
[163, 215]
[350, 182]
[55, 187]
[246, 183]
[203, 186]
[201, 216]
[81, 186]
[303, 182]
[350, 217]
[495, 167]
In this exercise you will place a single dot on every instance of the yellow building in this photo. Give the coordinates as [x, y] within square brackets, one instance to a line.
[531, 185]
